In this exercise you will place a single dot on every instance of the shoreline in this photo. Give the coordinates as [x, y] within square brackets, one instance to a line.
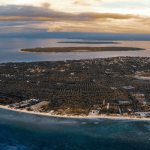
[75, 117]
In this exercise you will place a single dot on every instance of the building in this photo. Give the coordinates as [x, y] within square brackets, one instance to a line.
[123, 102]
[94, 112]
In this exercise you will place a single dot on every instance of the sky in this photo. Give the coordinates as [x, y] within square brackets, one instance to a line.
[99, 16]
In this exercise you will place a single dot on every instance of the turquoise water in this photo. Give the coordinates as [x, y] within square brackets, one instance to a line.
[20, 131]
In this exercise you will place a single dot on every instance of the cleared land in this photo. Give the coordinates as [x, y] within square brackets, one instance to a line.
[79, 49]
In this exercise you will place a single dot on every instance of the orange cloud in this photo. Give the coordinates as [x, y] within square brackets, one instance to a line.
[72, 22]
[81, 2]
[46, 4]
[46, 13]
[20, 18]
[107, 26]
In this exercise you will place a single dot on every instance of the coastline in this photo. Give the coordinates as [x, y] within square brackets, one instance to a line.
[81, 117]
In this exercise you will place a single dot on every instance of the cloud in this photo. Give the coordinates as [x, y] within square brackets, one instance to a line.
[99, 0]
[50, 20]
[93, 16]
[20, 29]
[20, 18]
[107, 26]
[46, 4]
[81, 2]
[21, 12]
[92, 5]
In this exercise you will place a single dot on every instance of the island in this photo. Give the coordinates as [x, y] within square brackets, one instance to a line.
[78, 49]
[117, 87]
[88, 42]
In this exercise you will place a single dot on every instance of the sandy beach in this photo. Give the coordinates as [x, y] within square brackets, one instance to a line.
[69, 116]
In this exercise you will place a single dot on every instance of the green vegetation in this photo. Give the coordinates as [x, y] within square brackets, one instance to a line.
[104, 85]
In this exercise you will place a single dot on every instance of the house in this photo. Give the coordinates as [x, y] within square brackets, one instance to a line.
[16, 105]
[38, 106]
[123, 102]
[143, 114]
[94, 112]
[127, 87]
[140, 97]
[107, 105]
[125, 114]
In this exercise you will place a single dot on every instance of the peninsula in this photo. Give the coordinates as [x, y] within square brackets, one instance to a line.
[102, 88]
[78, 49]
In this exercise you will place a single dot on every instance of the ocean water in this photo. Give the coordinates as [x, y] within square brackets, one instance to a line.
[21, 131]
[9, 50]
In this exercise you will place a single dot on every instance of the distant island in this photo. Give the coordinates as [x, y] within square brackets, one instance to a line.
[103, 87]
[86, 42]
[79, 49]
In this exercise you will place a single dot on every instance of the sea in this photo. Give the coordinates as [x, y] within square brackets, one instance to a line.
[22, 131]
[9, 50]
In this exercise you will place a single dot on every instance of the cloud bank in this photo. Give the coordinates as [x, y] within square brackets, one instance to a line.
[47, 19]
[15, 12]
